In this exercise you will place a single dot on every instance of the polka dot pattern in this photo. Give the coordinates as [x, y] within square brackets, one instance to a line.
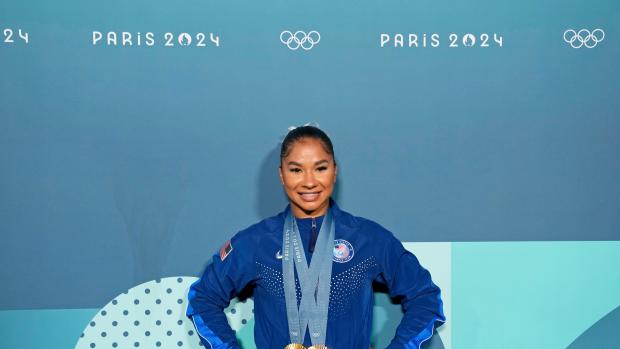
[152, 315]
[239, 313]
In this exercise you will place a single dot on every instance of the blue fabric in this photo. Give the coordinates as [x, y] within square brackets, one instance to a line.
[377, 256]
[423, 336]
[205, 333]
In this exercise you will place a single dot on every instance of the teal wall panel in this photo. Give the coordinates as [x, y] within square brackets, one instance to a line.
[531, 294]
[45, 328]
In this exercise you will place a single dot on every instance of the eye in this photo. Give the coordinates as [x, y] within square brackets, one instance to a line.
[322, 168]
[294, 170]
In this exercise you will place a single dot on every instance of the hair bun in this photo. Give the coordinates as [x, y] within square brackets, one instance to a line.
[311, 123]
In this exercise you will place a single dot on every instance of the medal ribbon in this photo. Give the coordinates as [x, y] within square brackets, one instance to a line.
[314, 280]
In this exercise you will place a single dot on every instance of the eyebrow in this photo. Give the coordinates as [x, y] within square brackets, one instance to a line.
[300, 165]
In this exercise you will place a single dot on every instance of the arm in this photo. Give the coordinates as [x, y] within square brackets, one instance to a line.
[420, 297]
[232, 269]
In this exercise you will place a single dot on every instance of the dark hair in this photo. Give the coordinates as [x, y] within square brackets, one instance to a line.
[302, 132]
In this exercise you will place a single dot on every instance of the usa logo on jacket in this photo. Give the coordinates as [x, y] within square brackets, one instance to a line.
[343, 251]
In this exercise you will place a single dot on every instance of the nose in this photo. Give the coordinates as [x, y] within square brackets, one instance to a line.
[309, 180]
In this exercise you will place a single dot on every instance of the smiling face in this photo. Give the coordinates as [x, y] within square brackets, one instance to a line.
[308, 174]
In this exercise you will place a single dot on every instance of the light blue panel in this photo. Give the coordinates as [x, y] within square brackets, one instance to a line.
[36, 329]
[245, 335]
[531, 294]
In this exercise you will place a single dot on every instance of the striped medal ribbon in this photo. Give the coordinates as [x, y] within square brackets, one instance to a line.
[314, 281]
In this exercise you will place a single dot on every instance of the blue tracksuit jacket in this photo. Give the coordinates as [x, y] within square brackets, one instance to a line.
[366, 253]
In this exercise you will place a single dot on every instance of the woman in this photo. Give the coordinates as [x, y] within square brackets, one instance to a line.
[312, 268]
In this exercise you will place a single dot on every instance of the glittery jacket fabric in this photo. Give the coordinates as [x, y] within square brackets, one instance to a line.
[252, 261]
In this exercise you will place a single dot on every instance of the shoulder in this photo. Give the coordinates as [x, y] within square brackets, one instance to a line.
[247, 242]
[368, 227]
[254, 233]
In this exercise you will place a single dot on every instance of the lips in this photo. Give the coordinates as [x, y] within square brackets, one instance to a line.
[310, 196]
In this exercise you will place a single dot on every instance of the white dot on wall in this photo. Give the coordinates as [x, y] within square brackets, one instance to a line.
[152, 315]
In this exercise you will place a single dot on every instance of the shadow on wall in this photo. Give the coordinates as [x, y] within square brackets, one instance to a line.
[271, 198]
[150, 198]
[603, 334]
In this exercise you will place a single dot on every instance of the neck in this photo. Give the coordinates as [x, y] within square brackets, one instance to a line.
[298, 212]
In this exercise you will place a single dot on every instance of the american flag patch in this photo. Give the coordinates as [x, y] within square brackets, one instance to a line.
[225, 250]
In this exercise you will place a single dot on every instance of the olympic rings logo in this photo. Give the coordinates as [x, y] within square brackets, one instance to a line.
[300, 39]
[584, 37]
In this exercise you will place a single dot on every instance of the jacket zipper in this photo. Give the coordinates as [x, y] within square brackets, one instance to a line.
[313, 236]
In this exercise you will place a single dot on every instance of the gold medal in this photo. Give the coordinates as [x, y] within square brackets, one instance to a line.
[295, 346]
[301, 346]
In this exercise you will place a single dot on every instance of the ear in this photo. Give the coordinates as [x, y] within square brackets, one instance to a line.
[335, 172]
[281, 177]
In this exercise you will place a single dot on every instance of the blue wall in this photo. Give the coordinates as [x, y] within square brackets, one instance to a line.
[123, 164]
